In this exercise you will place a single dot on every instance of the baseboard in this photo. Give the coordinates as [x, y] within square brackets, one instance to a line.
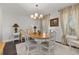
[68, 45]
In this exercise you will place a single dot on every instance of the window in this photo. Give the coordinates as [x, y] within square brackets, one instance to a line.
[71, 25]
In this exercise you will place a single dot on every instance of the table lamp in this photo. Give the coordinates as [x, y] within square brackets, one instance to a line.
[15, 26]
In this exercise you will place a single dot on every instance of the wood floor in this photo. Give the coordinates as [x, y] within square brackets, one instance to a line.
[10, 48]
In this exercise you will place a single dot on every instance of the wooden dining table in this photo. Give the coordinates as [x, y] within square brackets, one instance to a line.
[39, 38]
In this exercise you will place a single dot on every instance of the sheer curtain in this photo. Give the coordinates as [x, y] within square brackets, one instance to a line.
[45, 24]
[64, 19]
[64, 14]
[75, 14]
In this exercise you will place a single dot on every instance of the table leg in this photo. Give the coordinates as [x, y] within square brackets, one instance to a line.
[38, 42]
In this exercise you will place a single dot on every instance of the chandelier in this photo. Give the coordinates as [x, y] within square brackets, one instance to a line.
[36, 15]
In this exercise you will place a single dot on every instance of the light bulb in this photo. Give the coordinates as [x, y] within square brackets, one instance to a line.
[31, 16]
[44, 34]
[36, 14]
[41, 16]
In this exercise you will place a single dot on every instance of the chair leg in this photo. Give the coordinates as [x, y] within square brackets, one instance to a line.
[49, 51]
[14, 42]
[70, 44]
[53, 51]
[27, 50]
[21, 40]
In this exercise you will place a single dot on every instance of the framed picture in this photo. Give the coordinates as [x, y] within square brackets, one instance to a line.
[54, 22]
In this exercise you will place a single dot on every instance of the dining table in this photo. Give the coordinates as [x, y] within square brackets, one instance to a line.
[39, 38]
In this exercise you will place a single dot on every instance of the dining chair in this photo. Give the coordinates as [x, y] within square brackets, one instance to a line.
[50, 43]
[15, 36]
[30, 45]
[22, 35]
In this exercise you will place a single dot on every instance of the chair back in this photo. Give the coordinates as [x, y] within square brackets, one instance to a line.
[52, 37]
[16, 35]
[27, 37]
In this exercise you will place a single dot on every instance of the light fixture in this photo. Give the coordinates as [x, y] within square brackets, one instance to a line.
[36, 15]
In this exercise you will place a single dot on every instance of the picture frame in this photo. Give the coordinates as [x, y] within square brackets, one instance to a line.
[54, 22]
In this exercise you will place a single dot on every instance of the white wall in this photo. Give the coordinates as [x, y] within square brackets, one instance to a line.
[0, 25]
[46, 25]
[10, 18]
[24, 22]
[57, 29]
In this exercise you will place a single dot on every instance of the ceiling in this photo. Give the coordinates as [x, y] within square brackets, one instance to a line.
[44, 8]
[29, 8]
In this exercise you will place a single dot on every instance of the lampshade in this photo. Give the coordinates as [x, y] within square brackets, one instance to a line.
[36, 15]
[15, 25]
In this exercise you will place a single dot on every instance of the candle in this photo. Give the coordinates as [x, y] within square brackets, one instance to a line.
[44, 34]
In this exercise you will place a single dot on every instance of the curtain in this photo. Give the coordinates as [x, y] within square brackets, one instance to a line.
[64, 16]
[75, 14]
[64, 19]
[45, 26]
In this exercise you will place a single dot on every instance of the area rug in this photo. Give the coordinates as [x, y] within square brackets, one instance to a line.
[58, 50]
[21, 49]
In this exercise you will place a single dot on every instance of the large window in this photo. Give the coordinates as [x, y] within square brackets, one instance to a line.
[71, 25]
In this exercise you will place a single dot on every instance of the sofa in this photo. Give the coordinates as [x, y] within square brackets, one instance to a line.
[72, 40]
